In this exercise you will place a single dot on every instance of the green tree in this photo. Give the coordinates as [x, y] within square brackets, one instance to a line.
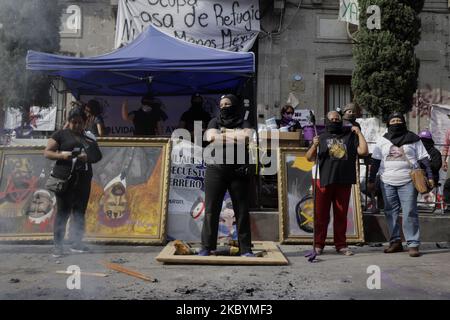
[26, 25]
[385, 76]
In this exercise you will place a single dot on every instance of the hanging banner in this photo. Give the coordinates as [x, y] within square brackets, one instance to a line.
[41, 119]
[227, 25]
[349, 11]
[372, 128]
[440, 124]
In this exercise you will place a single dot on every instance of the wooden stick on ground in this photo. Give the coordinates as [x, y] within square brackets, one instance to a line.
[116, 267]
[93, 274]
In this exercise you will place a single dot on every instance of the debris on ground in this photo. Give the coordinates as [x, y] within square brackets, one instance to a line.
[182, 248]
[185, 290]
[442, 246]
[129, 272]
[119, 260]
[14, 280]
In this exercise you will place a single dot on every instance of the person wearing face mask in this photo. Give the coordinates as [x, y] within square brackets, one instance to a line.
[337, 150]
[393, 156]
[195, 113]
[349, 114]
[225, 170]
[148, 120]
[287, 120]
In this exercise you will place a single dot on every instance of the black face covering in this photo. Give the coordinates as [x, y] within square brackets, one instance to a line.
[398, 134]
[397, 130]
[231, 117]
[197, 105]
[334, 127]
[226, 112]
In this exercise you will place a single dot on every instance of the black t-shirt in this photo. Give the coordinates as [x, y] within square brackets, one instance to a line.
[145, 123]
[245, 125]
[67, 141]
[190, 116]
[337, 158]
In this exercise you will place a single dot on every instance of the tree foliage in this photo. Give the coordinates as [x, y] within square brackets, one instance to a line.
[386, 72]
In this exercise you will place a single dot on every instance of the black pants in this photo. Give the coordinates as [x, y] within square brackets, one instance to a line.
[74, 201]
[219, 179]
[447, 191]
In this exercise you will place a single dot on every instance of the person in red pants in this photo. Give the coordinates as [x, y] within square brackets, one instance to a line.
[337, 151]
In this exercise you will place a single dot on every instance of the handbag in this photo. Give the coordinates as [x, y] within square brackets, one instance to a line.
[58, 185]
[419, 179]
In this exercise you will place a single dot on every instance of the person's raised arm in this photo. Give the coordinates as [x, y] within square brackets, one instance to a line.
[125, 115]
[363, 148]
[311, 154]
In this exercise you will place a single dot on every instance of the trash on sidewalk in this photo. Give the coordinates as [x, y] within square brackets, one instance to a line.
[183, 248]
[119, 260]
[14, 280]
[118, 268]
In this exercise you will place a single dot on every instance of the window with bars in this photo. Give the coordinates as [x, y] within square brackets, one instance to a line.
[338, 91]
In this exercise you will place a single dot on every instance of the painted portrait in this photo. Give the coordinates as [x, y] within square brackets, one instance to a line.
[296, 201]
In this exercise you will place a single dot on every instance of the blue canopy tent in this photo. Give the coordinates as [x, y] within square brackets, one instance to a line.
[154, 62]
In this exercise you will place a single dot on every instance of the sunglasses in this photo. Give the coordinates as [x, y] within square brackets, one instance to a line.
[289, 112]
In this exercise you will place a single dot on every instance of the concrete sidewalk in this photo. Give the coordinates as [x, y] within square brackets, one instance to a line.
[28, 272]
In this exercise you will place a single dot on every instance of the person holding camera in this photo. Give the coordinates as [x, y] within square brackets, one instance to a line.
[67, 148]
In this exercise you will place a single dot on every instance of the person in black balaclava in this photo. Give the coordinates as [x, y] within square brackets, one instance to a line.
[147, 120]
[195, 113]
[349, 114]
[227, 131]
[394, 156]
[337, 150]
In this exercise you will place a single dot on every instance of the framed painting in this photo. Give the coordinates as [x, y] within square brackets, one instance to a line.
[129, 191]
[296, 201]
[127, 203]
[27, 209]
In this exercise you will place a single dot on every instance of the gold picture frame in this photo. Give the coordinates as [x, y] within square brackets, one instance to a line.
[296, 201]
[140, 167]
[23, 173]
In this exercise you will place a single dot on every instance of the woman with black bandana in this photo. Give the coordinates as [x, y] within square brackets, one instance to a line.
[337, 150]
[227, 169]
[394, 156]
